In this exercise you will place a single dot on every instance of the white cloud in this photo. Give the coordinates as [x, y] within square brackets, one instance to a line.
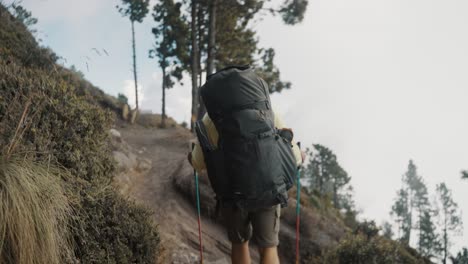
[178, 98]
[59, 11]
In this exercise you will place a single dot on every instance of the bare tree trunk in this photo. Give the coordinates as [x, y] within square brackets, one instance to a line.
[163, 117]
[200, 36]
[134, 66]
[211, 46]
[445, 247]
[194, 64]
[211, 38]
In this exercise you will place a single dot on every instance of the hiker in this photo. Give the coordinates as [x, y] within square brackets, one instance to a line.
[250, 157]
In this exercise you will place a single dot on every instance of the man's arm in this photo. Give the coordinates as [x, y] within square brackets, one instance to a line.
[196, 157]
[298, 154]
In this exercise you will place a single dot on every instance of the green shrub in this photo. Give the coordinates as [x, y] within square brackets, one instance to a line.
[56, 124]
[113, 230]
[367, 228]
[18, 45]
[359, 249]
[51, 116]
[43, 118]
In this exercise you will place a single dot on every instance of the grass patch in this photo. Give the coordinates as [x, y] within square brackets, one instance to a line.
[34, 214]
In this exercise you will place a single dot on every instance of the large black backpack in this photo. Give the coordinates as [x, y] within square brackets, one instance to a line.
[253, 165]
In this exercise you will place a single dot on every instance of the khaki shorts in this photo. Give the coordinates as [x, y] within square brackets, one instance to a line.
[261, 225]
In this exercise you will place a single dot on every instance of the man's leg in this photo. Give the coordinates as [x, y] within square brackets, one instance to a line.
[266, 225]
[239, 229]
[240, 253]
[269, 255]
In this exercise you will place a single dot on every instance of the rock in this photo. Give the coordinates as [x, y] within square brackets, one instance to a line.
[123, 162]
[144, 164]
[218, 261]
[133, 159]
[115, 133]
[185, 258]
[142, 150]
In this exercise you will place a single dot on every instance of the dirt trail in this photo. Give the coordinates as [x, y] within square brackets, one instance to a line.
[175, 215]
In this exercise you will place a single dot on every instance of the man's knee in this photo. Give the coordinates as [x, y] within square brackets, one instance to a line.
[266, 251]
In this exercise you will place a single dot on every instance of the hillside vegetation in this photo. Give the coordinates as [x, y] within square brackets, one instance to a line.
[52, 117]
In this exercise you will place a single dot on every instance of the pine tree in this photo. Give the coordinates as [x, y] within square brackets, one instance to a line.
[464, 175]
[212, 25]
[136, 10]
[23, 15]
[325, 173]
[194, 61]
[171, 45]
[292, 11]
[411, 202]
[449, 218]
[428, 239]
[348, 207]
[401, 213]
[387, 230]
[462, 257]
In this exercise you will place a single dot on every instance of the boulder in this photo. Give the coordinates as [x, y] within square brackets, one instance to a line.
[124, 162]
[115, 133]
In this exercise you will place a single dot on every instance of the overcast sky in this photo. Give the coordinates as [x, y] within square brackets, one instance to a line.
[380, 82]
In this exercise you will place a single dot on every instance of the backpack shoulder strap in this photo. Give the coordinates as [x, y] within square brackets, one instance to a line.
[202, 136]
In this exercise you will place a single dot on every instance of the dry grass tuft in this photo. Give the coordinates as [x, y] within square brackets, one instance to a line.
[34, 213]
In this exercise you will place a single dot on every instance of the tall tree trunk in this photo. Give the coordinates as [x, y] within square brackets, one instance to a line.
[211, 38]
[201, 34]
[134, 66]
[200, 45]
[163, 117]
[211, 46]
[445, 249]
[409, 219]
[194, 65]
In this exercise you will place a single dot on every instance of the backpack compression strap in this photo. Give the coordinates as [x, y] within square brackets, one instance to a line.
[202, 136]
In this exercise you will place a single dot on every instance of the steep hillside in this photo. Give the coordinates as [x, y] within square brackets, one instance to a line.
[51, 117]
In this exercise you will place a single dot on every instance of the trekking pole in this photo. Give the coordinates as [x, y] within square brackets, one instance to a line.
[199, 217]
[197, 190]
[298, 208]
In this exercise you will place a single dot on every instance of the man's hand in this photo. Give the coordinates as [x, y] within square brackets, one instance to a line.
[303, 156]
